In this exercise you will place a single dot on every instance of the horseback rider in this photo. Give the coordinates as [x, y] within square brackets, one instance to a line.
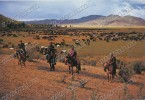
[73, 55]
[51, 48]
[22, 47]
[112, 61]
[51, 52]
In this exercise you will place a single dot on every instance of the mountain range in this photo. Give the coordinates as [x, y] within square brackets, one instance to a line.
[92, 20]
[96, 20]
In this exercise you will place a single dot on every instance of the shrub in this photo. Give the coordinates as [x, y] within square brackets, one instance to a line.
[63, 78]
[93, 63]
[138, 67]
[140, 92]
[73, 97]
[73, 77]
[83, 83]
[125, 74]
[119, 63]
[14, 35]
[125, 91]
[95, 95]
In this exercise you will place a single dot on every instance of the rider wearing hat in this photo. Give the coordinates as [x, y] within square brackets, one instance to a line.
[22, 47]
[51, 52]
[73, 54]
[112, 62]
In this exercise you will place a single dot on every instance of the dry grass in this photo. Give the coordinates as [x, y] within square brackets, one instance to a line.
[12, 76]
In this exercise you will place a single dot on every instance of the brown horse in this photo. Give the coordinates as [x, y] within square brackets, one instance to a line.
[73, 63]
[20, 55]
[109, 71]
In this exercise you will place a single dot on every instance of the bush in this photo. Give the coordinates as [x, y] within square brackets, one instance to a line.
[93, 63]
[83, 83]
[63, 78]
[119, 63]
[138, 67]
[14, 35]
[73, 97]
[95, 95]
[125, 74]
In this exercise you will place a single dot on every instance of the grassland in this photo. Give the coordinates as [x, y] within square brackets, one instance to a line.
[49, 83]
[95, 50]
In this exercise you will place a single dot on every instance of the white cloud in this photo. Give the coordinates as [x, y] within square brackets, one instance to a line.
[138, 1]
[59, 8]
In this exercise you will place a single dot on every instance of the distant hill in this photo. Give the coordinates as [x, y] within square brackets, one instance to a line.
[10, 23]
[4, 19]
[92, 20]
[115, 20]
[72, 21]
[96, 20]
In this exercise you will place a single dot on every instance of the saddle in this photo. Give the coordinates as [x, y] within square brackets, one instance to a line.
[50, 57]
[71, 60]
[21, 53]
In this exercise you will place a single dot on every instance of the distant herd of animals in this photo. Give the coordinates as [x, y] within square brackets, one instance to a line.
[88, 37]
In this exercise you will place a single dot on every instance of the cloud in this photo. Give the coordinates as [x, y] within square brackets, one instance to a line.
[56, 9]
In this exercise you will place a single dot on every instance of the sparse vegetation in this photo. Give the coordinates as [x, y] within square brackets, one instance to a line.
[63, 78]
[73, 77]
[125, 92]
[87, 55]
[95, 95]
[125, 74]
[138, 67]
[73, 97]
[83, 83]
[140, 92]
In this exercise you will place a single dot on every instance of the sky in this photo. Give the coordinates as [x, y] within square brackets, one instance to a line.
[69, 9]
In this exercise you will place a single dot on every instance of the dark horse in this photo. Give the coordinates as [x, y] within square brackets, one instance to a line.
[109, 69]
[20, 55]
[73, 63]
[51, 59]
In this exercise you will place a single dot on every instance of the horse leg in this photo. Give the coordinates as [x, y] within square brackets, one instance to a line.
[69, 69]
[53, 68]
[24, 63]
[18, 62]
[77, 69]
[72, 70]
[108, 77]
[21, 63]
[50, 67]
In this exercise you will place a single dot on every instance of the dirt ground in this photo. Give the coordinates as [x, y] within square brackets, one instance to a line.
[36, 82]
